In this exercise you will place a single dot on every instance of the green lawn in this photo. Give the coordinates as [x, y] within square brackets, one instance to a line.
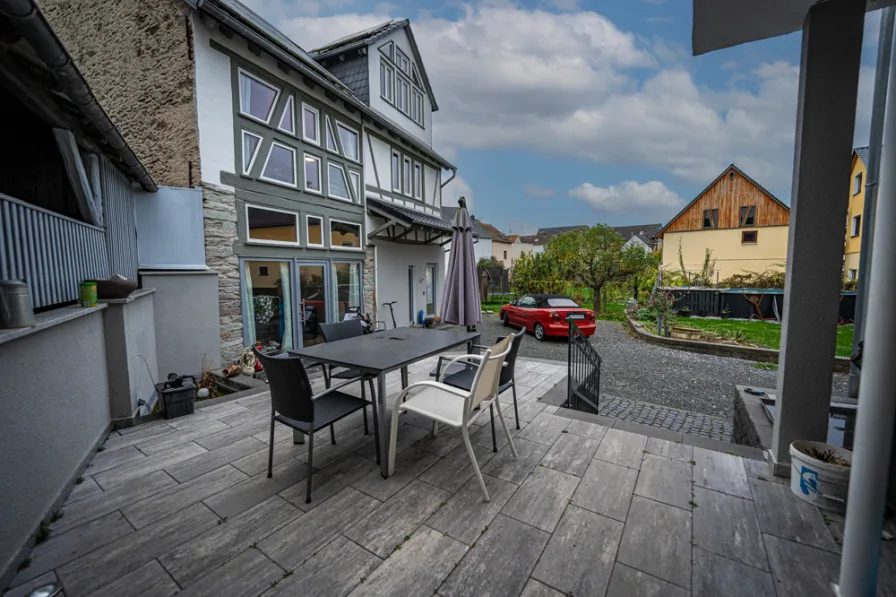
[766, 335]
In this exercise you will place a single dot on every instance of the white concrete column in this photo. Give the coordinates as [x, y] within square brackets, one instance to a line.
[829, 76]
[877, 393]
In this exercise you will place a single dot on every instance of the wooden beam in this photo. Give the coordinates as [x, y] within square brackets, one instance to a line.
[32, 96]
[77, 176]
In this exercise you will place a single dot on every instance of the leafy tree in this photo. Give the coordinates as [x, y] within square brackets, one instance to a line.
[538, 273]
[636, 264]
[592, 256]
[490, 261]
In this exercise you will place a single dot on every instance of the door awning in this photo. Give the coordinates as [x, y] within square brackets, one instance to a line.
[405, 225]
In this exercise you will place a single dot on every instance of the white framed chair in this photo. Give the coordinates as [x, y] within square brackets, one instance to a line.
[456, 407]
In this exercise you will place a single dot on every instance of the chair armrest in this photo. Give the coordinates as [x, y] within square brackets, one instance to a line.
[456, 359]
[336, 387]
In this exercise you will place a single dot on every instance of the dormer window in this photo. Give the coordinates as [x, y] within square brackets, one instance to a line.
[402, 61]
[417, 108]
[387, 81]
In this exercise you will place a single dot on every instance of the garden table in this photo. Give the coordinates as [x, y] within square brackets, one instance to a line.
[383, 352]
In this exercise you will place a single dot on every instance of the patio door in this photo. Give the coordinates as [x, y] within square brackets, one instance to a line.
[430, 289]
[313, 301]
[268, 305]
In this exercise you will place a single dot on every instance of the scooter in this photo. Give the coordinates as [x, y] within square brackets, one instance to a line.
[392, 313]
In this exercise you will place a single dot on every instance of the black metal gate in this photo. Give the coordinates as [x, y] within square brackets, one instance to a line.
[583, 372]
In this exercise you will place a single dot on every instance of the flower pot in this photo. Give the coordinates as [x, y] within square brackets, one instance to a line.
[822, 484]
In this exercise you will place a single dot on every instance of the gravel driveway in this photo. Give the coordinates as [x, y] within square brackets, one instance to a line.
[636, 370]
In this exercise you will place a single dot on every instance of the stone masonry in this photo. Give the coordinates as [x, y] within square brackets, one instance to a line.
[219, 219]
[368, 282]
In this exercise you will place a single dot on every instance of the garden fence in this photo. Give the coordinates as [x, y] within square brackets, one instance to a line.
[742, 303]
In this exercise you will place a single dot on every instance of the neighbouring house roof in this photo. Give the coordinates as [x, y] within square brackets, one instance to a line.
[529, 239]
[495, 234]
[710, 185]
[862, 152]
[410, 216]
[448, 214]
[235, 16]
[646, 232]
[514, 238]
[370, 36]
[545, 234]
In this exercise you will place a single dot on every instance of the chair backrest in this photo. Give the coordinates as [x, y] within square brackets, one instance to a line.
[334, 332]
[488, 374]
[510, 359]
[289, 384]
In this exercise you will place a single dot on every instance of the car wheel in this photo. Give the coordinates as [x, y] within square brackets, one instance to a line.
[539, 332]
[505, 319]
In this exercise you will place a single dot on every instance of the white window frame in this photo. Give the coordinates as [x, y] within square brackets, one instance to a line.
[320, 175]
[248, 168]
[341, 248]
[355, 177]
[316, 120]
[295, 169]
[258, 79]
[854, 225]
[403, 84]
[323, 239]
[417, 106]
[857, 183]
[401, 58]
[417, 181]
[851, 274]
[387, 74]
[344, 179]
[388, 52]
[407, 176]
[331, 131]
[290, 107]
[357, 141]
[395, 154]
[261, 241]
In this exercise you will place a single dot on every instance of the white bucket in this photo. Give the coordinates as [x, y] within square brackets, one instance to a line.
[822, 484]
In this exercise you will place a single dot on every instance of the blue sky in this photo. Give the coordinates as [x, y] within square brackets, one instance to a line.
[561, 112]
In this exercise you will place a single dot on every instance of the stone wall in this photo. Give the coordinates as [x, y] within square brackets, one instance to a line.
[219, 219]
[369, 282]
[137, 58]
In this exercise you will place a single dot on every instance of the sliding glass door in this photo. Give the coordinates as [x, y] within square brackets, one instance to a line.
[348, 287]
[267, 305]
[314, 301]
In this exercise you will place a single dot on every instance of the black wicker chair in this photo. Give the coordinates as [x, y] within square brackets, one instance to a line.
[462, 376]
[294, 404]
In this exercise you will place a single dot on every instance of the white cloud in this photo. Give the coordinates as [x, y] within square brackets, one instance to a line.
[533, 190]
[630, 197]
[456, 189]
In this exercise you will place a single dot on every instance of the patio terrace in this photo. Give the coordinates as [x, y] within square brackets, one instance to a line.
[184, 506]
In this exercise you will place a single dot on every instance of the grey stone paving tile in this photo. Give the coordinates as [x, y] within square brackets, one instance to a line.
[534, 588]
[509, 551]
[177, 498]
[136, 470]
[800, 570]
[27, 588]
[665, 480]
[108, 501]
[483, 435]
[628, 582]
[328, 482]
[721, 472]
[257, 462]
[149, 580]
[228, 435]
[571, 454]
[727, 526]
[138, 429]
[669, 449]
[136, 436]
[181, 437]
[256, 401]
[715, 575]
[544, 429]
[254, 490]
[408, 466]
[418, 568]
[759, 469]
[85, 489]
[408, 435]
[467, 514]
[504, 466]
[299, 540]
[246, 414]
[62, 548]
[784, 515]
[606, 489]
[446, 441]
[622, 448]
[657, 540]
[246, 575]
[189, 561]
[542, 498]
[531, 409]
[220, 411]
[200, 464]
[333, 571]
[586, 429]
[109, 459]
[580, 554]
[191, 422]
[125, 555]
[398, 517]
[452, 471]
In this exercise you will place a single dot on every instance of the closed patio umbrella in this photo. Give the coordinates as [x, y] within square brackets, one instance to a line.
[460, 304]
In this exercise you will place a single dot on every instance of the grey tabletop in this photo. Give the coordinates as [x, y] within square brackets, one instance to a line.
[387, 350]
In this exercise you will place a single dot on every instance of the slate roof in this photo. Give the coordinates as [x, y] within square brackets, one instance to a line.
[862, 152]
[495, 234]
[448, 214]
[354, 72]
[410, 216]
[647, 232]
[529, 239]
[545, 234]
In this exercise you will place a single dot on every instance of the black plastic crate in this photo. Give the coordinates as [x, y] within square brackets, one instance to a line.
[177, 395]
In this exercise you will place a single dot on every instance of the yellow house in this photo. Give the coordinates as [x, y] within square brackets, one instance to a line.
[743, 224]
[854, 217]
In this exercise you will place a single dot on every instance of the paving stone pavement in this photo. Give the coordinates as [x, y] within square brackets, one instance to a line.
[186, 508]
[655, 415]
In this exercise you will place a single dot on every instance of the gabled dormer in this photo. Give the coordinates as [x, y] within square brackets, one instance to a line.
[383, 67]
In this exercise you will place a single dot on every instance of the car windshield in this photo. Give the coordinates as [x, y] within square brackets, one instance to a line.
[562, 302]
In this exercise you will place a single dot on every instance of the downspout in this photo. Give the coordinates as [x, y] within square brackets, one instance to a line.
[29, 21]
[450, 178]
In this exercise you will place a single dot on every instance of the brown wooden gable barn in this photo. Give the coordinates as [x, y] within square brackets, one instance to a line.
[728, 193]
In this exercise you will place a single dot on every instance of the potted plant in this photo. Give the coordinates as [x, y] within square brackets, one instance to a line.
[684, 311]
[726, 312]
[820, 474]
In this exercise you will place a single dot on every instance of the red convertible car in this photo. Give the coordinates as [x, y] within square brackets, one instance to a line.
[546, 314]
